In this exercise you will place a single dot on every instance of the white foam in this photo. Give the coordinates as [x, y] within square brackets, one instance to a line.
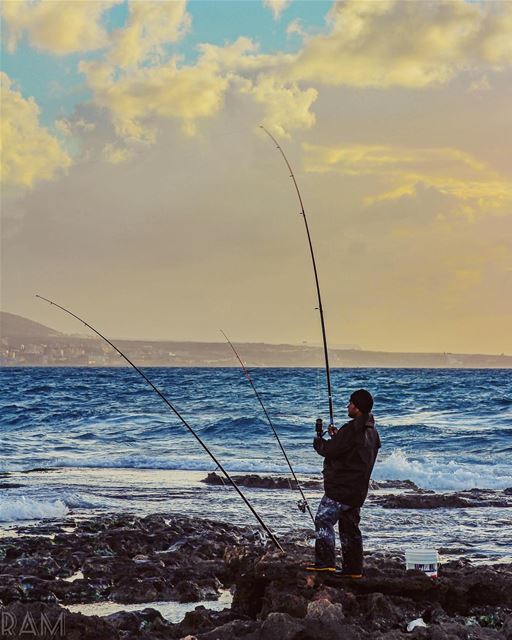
[439, 475]
[434, 472]
[79, 500]
[188, 463]
[13, 509]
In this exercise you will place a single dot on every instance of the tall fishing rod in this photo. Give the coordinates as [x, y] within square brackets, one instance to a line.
[320, 307]
[302, 504]
[176, 412]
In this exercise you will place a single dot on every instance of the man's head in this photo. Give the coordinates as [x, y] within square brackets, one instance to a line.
[361, 402]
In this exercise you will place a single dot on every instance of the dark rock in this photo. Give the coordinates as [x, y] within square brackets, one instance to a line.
[234, 630]
[506, 629]
[146, 620]
[38, 620]
[163, 557]
[201, 620]
[281, 626]
[430, 500]
[382, 612]
[264, 482]
[395, 484]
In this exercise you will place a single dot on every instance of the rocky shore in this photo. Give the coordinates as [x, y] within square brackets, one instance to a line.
[410, 497]
[127, 559]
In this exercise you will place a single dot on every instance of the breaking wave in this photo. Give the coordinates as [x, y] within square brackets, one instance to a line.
[13, 509]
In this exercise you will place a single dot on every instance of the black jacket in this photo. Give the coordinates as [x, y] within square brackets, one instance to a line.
[349, 459]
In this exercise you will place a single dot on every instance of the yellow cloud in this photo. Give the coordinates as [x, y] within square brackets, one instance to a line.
[60, 27]
[412, 44]
[286, 106]
[188, 93]
[449, 171]
[150, 25]
[276, 6]
[116, 155]
[134, 95]
[28, 152]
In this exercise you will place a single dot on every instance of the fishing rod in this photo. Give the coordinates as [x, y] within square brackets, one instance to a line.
[320, 307]
[302, 504]
[176, 412]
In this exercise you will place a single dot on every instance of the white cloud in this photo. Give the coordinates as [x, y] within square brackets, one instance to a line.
[59, 27]
[150, 26]
[411, 44]
[29, 152]
[277, 7]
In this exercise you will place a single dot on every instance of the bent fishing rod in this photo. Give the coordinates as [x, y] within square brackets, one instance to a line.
[302, 504]
[320, 307]
[176, 412]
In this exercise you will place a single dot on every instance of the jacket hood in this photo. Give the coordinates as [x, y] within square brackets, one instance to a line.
[366, 420]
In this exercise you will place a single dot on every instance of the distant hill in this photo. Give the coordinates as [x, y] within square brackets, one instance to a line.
[14, 326]
[27, 343]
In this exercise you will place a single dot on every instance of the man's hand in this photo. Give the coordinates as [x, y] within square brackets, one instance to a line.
[332, 430]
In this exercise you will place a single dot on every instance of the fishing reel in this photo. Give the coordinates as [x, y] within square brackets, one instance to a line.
[302, 504]
[319, 427]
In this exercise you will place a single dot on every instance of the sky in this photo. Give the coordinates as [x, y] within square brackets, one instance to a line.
[139, 190]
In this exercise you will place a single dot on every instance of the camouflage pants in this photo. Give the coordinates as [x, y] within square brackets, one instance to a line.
[329, 513]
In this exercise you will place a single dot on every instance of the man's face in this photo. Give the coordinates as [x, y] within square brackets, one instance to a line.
[352, 410]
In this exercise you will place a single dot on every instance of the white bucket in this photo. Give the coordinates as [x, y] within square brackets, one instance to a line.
[422, 560]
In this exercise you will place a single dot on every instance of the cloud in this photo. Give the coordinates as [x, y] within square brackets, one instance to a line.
[60, 28]
[295, 28]
[188, 93]
[150, 25]
[116, 155]
[449, 171]
[286, 106]
[409, 44]
[135, 96]
[29, 153]
[277, 7]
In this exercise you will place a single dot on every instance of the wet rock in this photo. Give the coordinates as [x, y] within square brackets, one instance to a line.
[37, 620]
[166, 557]
[422, 501]
[123, 558]
[395, 484]
[264, 482]
[381, 610]
[506, 629]
[237, 629]
[201, 620]
[146, 620]
[431, 500]
[281, 626]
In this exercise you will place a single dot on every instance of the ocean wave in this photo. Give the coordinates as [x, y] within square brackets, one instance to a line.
[81, 501]
[236, 426]
[28, 509]
[436, 473]
[202, 463]
[442, 475]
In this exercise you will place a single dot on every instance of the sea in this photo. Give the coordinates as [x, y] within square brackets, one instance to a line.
[82, 442]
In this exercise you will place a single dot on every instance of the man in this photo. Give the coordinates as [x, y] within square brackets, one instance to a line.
[349, 457]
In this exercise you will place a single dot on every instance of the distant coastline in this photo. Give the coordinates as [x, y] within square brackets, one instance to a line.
[24, 343]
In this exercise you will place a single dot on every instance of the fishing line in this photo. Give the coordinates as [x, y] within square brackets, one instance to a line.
[303, 503]
[320, 307]
[176, 412]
